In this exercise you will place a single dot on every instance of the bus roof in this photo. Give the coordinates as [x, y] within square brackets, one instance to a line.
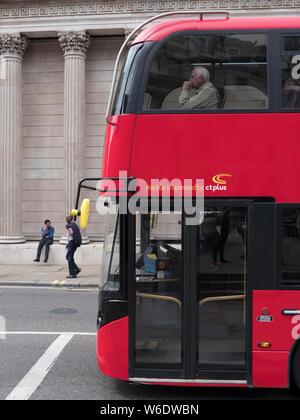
[161, 30]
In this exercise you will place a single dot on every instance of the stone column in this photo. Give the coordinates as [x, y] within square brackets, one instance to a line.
[12, 48]
[74, 46]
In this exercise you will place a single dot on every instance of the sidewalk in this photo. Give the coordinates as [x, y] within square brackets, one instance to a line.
[47, 275]
[21, 254]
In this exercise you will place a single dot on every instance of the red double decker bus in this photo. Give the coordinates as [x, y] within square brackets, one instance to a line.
[217, 303]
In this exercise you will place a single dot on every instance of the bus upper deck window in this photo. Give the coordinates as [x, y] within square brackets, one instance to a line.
[209, 71]
[290, 72]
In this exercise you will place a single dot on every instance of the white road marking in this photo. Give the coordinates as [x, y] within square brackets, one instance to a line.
[31, 381]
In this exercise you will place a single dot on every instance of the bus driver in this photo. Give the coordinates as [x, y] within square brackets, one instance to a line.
[206, 95]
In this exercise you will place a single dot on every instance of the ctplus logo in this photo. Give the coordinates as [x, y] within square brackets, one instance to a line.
[219, 183]
[217, 179]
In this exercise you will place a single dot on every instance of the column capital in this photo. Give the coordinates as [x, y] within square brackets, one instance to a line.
[12, 44]
[74, 42]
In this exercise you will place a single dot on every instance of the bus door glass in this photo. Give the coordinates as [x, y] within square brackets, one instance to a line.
[221, 287]
[158, 310]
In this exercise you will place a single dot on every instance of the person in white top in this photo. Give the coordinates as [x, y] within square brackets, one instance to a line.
[69, 233]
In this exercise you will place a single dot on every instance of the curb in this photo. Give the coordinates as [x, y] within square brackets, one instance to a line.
[57, 284]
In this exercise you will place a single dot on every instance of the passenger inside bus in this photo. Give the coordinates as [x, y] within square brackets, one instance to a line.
[206, 95]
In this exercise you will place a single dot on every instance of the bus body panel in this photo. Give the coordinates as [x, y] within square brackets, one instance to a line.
[201, 146]
[163, 29]
[270, 370]
[271, 365]
[112, 349]
[280, 330]
[117, 149]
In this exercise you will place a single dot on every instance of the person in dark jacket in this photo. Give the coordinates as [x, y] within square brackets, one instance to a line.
[47, 234]
[74, 241]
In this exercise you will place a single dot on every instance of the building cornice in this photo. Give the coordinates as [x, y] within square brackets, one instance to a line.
[47, 18]
[33, 9]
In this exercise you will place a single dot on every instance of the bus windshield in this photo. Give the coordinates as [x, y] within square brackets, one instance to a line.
[110, 273]
[125, 81]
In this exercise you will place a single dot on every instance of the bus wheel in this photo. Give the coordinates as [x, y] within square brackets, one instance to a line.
[295, 366]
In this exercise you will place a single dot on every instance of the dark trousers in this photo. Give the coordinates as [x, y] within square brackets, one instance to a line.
[44, 242]
[219, 246]
[73, 269]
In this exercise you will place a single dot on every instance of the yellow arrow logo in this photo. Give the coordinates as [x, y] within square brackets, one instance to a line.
[217, 179]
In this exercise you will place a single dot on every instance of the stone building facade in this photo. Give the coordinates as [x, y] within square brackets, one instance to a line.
[56, 62]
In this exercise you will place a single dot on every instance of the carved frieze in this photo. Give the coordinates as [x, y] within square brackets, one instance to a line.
[58, 9]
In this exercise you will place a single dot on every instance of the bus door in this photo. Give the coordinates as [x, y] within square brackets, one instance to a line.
[188, 307]
[156, 315]
[221, 290]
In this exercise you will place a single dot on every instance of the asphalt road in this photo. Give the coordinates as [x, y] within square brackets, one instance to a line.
[49, 353]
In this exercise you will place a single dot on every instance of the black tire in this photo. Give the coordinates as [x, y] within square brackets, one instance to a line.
[295, 366]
